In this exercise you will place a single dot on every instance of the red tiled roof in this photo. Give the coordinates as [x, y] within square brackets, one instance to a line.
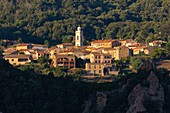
[21, 50]
[140, 47]
[17, 56]
[10, 50]
[102, 41]
[52, 48]
[24, 44]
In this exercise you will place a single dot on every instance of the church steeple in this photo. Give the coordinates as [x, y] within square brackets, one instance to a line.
[79, 37]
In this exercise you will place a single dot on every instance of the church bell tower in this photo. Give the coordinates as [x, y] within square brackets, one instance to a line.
[79, 37]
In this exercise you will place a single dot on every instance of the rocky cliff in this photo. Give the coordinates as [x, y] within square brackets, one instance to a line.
[141, 98]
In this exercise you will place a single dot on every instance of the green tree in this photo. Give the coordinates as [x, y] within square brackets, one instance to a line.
[167, 48]
[46, 42]
[135, 62]
[42, 60]
[19, 40]
[157, 54]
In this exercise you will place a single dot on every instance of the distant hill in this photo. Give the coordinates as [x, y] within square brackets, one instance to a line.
[57, 19]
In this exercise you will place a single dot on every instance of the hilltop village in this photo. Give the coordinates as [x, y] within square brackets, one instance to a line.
[98, 57]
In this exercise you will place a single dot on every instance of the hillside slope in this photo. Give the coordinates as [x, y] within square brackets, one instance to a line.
[57, 19]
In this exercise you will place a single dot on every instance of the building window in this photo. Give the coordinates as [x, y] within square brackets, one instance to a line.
[89, 66]
[22, 60]
[95, 66]
[77, 37]
[100, 71]
[94, 71]
[99, 66]
[12, 59]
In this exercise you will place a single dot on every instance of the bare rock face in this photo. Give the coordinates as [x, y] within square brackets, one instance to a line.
[154, 83]
[87, 106]
[134, 94]
[140, 94]
[147, 66]
[101, 101]
[135, 100]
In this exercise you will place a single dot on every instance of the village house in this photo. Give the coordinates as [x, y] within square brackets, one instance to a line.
[123, 42]
[96, 57]
[39, 46]
[131, 42]
[105, 43]
[52, 51]
[86, 55]
[9, 51]
[110, 51]
[156, 43]
[121, 52]
[64, 61]
[138, 50]
[66, 52]
[100, 64]
[18, 59]
[23, 46]
[149, 50]
[97, 69]
[64, 45]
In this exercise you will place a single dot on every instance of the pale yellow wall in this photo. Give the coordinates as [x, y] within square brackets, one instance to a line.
[100, 58]
[104, 45]
[95, 67]
[14, 61]
[21, 47]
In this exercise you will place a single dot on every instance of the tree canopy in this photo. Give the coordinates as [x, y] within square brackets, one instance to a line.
[54, 19]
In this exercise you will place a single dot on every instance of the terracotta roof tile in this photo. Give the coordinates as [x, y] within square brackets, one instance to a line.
[17, 56]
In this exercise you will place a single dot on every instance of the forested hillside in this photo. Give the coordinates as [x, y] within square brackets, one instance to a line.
[57, 19]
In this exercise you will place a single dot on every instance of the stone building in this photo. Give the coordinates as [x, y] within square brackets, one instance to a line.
[121, 52]
[64, 61]
[18, 59]
[105, 43]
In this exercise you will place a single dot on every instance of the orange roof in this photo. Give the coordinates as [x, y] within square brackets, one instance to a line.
[24, 44]
[21, 50]
[102, 41]
[38, 45]
[134, 45]
[140, 47]
[85, 51]
[10, 50]
[95, 53]
[52, 48]
[17, 56]
[32, 52]
[67, 51]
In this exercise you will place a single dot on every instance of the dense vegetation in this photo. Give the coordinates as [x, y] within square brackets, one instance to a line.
[56, 20]
[26, 91]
